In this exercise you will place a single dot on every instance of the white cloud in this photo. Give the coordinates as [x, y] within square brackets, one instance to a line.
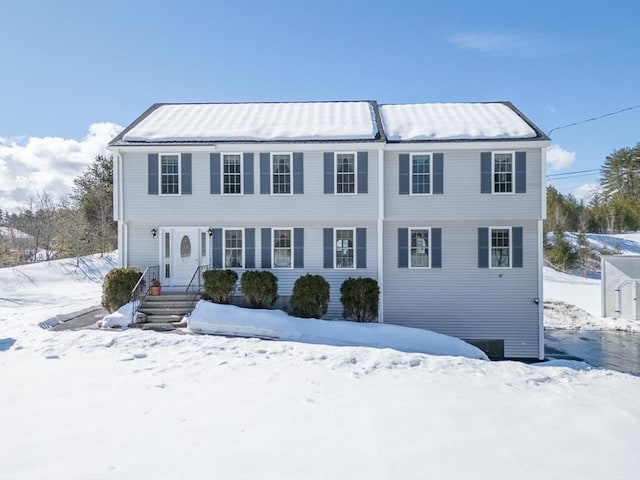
[33, 165]
[585, 192]
[558, 158]
[503, 44]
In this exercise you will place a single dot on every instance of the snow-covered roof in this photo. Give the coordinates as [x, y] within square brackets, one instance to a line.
[454, 121]
[216, 122]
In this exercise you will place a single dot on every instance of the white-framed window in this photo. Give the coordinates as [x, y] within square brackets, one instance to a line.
[282, 248]
[170, 170]
[419, 248]
[502, 172]
[281, 173]
[345, 169]
[232, 173]
[500, 249]
[421, 174]
[233, 251]
[345, 247]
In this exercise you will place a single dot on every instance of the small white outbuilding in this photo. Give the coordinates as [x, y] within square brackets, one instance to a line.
[621, 286]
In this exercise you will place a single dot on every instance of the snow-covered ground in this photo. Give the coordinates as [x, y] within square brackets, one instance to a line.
[136, 404]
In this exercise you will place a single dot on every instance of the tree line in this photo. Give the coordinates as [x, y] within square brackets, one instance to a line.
[80, 224]
[615, 206]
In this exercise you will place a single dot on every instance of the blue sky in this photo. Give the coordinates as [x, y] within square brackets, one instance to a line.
[69, 65]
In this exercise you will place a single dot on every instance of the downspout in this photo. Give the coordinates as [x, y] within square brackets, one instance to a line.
[381, 233]
[543, 212]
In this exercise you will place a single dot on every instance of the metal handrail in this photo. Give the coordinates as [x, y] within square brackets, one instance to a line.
[141, 290]
[194, 288]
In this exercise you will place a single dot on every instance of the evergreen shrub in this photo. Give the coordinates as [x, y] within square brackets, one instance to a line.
[359, 299]
[117, 286]
[219, 285]
[310, 297]
[259, 288]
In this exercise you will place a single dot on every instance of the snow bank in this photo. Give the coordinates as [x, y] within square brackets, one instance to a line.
[450, 121]
[121, 318]
[256, 122]
[218, 319]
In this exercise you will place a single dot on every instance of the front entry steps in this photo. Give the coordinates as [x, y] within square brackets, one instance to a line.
[163, 312]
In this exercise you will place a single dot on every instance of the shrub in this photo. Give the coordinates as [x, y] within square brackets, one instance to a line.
[117, 286]
[310, 297]
[360, 299]
[562, 254]
[219, 285]
[259, 288]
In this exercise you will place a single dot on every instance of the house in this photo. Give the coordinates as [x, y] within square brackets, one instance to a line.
[441, 203]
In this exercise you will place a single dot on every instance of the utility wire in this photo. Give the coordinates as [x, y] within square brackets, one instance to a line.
[594, 118]
[564, 174]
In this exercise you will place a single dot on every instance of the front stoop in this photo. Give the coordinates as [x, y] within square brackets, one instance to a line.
[163, 312]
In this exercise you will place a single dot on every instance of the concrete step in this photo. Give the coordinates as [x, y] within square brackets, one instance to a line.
[163, 318]
[168, 297]
[170, 310]
[163, 327]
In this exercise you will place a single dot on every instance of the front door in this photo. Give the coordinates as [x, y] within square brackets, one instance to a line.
[185, 255]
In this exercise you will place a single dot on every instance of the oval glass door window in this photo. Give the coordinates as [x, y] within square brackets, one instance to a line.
[185, 249]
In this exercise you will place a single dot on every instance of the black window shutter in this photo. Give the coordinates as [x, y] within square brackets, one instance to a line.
[403, 248]
[216, 248]
[328, 172]
[265, 240]
[483, 247]
[516, 232]
[521, 172]
[214, 173]
[485, 172]
[327, 236]
[248, 174]
[298, 172]
[436, 248]
[403, 169]
[363, 172]
[438, 173]
[250, 248]
[186, 173]
[298, 248]
[152, 164]
[361, 248]
[265, 170]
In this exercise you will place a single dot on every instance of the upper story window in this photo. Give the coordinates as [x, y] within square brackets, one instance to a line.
[170, 174]
[419, 248]
[281, 173]
[500, 247]
[345, 173]
[231, 173]
[344, 250]
[282, 246]
[421, 173]
[503, 166]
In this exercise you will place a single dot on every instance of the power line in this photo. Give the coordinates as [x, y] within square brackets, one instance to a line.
[594, 118]
[564, 174]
